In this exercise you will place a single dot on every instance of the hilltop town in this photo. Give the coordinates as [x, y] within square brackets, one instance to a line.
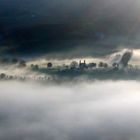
[117, 67]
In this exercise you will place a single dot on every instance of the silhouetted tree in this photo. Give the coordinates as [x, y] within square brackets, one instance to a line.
[74, 64]
[49, 65]
[2, 75]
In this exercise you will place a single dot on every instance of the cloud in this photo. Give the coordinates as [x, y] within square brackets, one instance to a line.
[97, 110]
[68, 28]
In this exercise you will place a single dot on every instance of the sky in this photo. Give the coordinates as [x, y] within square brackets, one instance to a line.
[88, 104]
[60, 26]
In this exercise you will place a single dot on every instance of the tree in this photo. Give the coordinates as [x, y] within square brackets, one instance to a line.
[74, 64]
[49, 65]
[101, 64]
[2, 75]
[22, 63]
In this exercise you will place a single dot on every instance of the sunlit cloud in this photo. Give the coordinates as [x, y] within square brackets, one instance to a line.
[136, 57]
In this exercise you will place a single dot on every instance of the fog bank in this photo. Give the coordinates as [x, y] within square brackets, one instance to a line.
[100, 110]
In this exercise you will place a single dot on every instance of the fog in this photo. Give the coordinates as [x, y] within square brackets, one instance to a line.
[106, 110]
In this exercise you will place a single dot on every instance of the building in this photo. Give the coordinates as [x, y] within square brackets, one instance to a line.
[82, 65]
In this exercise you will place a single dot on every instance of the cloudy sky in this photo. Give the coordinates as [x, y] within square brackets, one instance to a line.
[61, 26]
[90, 107]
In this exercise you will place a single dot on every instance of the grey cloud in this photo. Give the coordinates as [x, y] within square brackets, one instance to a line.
[61, 26]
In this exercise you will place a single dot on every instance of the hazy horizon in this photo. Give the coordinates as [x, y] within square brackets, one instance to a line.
[69, 70]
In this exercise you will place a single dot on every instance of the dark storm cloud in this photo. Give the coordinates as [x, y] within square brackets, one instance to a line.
[59, 26]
